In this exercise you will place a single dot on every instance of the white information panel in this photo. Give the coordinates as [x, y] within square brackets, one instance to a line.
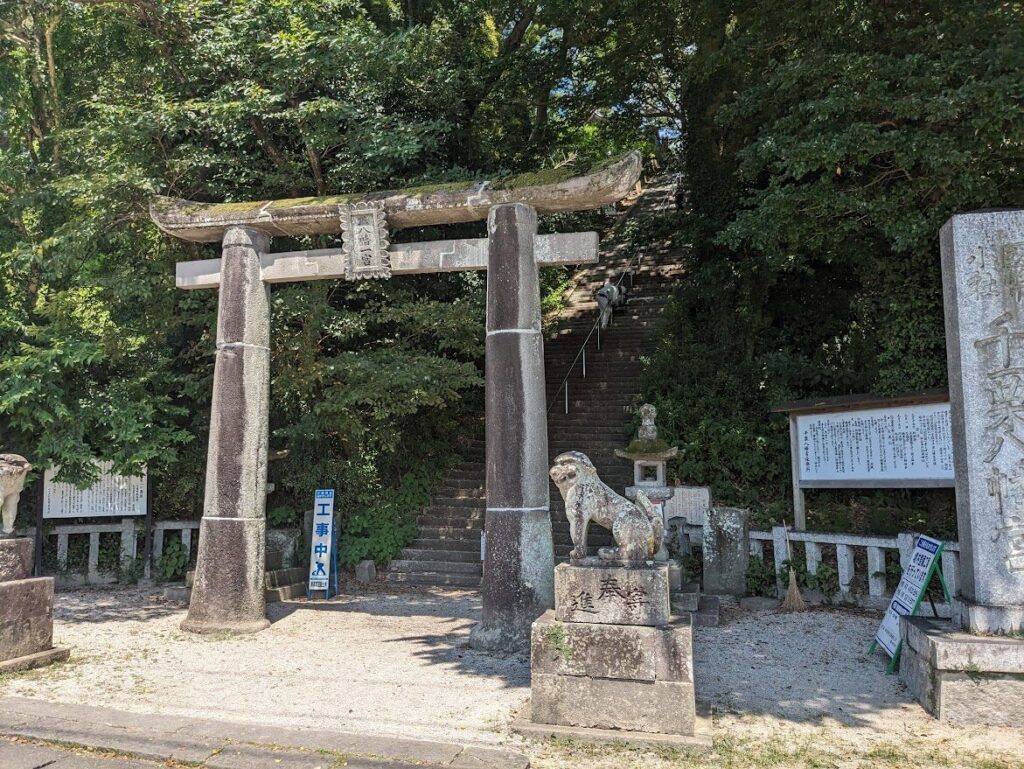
[111, 495]
[909, 592]
[323, 528]
[898, 443]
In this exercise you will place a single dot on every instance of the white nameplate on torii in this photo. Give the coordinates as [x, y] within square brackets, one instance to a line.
[406, 259]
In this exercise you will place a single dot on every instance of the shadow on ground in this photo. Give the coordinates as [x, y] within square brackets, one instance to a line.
[110, 605]
[456, 611]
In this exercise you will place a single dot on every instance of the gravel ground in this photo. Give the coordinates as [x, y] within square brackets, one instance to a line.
[396, 662]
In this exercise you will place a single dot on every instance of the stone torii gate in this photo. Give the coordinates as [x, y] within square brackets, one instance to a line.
[518, 576]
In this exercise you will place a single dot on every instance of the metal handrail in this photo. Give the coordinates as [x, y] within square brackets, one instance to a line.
[582, 353]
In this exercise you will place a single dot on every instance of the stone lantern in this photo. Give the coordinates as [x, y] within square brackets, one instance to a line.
[650, 456]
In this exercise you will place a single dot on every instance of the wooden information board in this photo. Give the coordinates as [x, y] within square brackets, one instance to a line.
[111, 496]
[869, 442]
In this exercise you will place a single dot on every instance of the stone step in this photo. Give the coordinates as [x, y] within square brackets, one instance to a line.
[440, 554]
[280, 577]
[687, 602]
[451, 534]
[708, 611]
[285, 592]
[445, 567]
[452, 521]
[432, 578]
[468, 545]
[455, 504]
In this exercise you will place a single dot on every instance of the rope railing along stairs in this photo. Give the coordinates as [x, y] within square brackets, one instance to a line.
[581, 354]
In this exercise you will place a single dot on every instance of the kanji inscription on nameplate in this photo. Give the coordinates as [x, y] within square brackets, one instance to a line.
[364, 234]
[111, 495]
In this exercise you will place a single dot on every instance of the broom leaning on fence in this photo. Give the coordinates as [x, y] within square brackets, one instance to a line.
[793, 600]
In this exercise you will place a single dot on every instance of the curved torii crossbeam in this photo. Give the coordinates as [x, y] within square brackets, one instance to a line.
[415, 207]
[518, 585]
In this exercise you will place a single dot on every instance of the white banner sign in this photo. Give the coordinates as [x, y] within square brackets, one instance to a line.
[111, 495]
[899, 443]
[323, 528]
[909, 592]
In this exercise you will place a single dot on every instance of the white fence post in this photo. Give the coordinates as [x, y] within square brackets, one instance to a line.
[781, 554]
[951, 573]
[127, 541]
[905, 542]
[813, 550]
[158, 542]
[93, 574]
[62, 552]
[844, 561]
[876, 572]
[879, 587]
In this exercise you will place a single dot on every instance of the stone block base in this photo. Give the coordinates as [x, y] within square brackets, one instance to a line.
[614, 595]
[26, 617]
[622, 652]
[981, 618]
[700, 741]
[15, 558]
[629, 678]
[37, 660]
[962, 678]
[661, 707]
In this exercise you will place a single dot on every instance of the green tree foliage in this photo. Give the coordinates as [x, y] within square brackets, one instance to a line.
[825, 144]
[104, 104]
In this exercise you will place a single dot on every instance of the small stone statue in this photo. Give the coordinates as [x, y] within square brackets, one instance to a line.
[13, 469]
[637, 528]
[647, 431]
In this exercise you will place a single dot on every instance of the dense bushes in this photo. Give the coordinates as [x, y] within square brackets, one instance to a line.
[832, 142]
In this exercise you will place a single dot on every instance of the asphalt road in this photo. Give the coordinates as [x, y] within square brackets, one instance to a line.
[21, 754]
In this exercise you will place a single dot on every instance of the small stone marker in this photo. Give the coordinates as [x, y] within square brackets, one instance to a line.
[366, 571]
[726, 551]
[691, 503]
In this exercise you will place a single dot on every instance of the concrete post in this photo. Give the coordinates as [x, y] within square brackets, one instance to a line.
[227, 595]
[518, 583]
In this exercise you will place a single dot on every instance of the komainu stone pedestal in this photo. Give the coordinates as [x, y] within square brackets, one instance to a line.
[611, 663]
[26, 611]
[962, 678]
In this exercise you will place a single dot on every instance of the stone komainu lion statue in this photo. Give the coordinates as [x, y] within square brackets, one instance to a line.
[637, 528]
[13, 469]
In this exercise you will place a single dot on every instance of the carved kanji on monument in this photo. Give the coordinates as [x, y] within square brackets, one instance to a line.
[518, 577]
[364, 233]
[983, 268]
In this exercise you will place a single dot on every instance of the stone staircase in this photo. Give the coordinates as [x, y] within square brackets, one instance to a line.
[599, 418]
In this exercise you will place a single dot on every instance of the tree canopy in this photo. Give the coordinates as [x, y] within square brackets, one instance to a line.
[822, 143]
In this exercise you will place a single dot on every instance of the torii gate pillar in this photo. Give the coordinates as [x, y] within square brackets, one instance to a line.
[227, 593]
[518, 583]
